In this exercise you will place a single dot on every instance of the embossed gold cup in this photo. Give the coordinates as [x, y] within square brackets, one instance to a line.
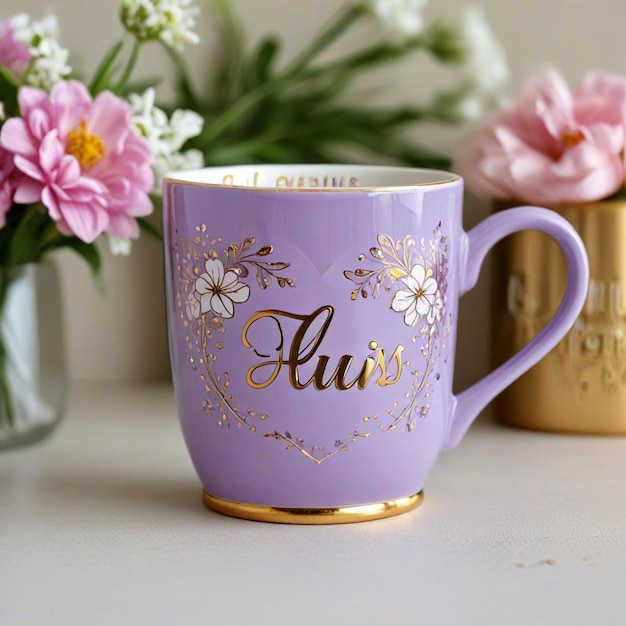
[312, 320]
[580, 386]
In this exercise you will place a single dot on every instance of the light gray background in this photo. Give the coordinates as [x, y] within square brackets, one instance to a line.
[122, 336]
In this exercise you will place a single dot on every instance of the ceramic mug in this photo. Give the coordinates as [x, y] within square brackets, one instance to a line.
[312, 316]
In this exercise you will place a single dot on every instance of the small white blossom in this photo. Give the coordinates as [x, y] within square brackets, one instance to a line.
[171, 21]
[120, 246]
[166, 136]
[486, 64]
[188, 160]
[49, 60]
[400, 19]
[183, 126]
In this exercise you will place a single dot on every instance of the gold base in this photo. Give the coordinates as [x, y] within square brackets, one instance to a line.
[339, 515]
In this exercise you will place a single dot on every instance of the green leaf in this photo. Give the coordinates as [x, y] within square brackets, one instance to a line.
[25, 243]
[103, 74]
[149, 228]
[9, 86]
[90, 253]
[139, 86]
[264, 59]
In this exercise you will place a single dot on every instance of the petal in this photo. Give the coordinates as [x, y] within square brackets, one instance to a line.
[205, 303]
[402, 300]
[230, 279]
[29, 168]
[16, 137]
[203, 286]
[110, 120]
[418, 272]
[422, 305]
[123, 226]
[49, 200]
[222, 305]
[31, 98]
[430, 286]
[69, 105]
[69, 170]
[239, 294]
[411, 283]
[50, 152]
[27, 191]
[411, 316]
[85, 220]
[215, 270]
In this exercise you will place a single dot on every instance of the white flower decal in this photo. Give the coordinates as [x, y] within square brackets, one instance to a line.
[220, 290]
[192, 307]
[420, 298]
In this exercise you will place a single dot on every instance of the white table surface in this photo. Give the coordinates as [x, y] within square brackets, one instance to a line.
[103, 525]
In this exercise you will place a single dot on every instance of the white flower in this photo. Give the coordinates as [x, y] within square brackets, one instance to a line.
[184, 125]
[485, 62]
[192, 307]
[219, 290]
[166, 136]
[151, 121]
[420, 298]
[49, 60]
[120, 246]
[400, 19]
[188, 160]
[171, 21]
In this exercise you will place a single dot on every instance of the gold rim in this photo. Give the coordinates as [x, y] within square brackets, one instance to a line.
[338, 515]
[452, 178]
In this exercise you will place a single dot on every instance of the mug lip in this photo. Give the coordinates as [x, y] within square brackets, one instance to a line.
[451, 179]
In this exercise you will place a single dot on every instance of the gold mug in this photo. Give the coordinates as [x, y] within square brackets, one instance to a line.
[580, 386]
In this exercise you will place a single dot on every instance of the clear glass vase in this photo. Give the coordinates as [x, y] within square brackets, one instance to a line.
[32, 364]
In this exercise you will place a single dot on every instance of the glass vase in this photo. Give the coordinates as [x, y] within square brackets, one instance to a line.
[32, 364]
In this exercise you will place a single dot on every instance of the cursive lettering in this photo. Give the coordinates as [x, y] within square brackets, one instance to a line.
[304, 346]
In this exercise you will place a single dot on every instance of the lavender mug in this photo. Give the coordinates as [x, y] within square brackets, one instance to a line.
[312, 315]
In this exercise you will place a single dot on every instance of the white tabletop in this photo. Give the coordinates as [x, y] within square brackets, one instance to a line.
[103, 525]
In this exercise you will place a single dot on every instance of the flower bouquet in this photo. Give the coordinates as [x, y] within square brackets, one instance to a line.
[79, 161]
[565, 151]
[259, 108]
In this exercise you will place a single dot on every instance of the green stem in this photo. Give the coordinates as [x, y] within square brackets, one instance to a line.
[345, 19]
[130, 66]
[6, 404]
[101, 77]
[185, 78]
[291, 73]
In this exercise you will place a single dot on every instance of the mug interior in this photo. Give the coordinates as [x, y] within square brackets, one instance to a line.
[318, 177]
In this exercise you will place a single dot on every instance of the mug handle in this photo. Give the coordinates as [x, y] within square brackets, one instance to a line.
[467, 405]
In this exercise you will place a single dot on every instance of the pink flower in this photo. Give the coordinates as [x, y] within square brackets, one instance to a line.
[552, 146]
[13, 54]
[8, 180]
[82, 159]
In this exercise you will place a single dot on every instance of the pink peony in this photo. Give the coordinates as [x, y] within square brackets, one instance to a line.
[9, 177]
[13, 54]
[82, 159]
[552, 146]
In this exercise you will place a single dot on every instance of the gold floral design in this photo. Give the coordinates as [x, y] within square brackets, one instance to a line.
[421, 270]
[211, 285]
[313, 453]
